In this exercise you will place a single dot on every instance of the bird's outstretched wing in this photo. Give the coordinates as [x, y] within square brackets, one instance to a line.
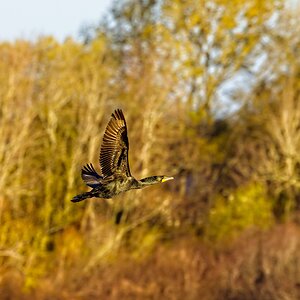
[90, 176]
[115, 146]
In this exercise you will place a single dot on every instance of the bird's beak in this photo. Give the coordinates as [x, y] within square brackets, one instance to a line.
[166, 178]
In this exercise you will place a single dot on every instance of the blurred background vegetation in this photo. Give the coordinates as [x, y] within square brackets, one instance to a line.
[211, 93]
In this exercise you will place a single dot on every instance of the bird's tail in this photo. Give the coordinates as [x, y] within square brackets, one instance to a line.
[83, 196]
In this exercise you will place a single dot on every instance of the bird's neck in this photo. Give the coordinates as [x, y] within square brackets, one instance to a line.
[147, 182]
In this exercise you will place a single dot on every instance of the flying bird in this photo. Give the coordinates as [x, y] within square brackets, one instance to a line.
[115, 175]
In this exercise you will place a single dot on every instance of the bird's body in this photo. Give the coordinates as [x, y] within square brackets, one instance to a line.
[116, 177]
[109, 189]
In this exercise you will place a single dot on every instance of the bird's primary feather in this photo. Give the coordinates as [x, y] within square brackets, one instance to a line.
[115, 146]
[90, 176]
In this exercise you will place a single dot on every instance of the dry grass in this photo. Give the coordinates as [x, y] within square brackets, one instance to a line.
[258, 265]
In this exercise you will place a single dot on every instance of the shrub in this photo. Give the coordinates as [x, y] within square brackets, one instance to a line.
[246, 207]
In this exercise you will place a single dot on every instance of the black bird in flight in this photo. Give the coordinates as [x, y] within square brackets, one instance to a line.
[116, 177]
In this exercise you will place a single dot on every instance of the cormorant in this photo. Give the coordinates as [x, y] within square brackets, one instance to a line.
[116, 177]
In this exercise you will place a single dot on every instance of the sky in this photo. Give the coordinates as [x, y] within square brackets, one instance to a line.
[61, 18]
